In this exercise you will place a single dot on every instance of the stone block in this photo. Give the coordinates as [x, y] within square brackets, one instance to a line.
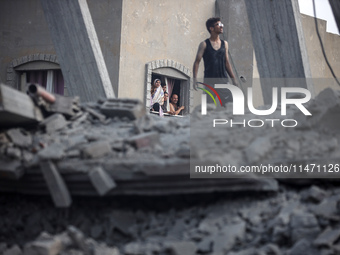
[63, 105]
[17, 108]
[314, 194]
[129, 108]
[15, 250]
[327, 238]
[258, 149]
[231, 233]
[56, 185]
[145, 140]
[44, 245]
[303, 225]
[11, 169]
[54, 151]
[3, 247]
[13, 152]
[19, 137]
[101, 180]
[180, 248]
[122, 220]
[97, 149]
[303, 246]
[328, 208]
[54, 123]
[96, 115]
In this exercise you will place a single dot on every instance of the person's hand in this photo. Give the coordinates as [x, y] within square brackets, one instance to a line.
[182, 108]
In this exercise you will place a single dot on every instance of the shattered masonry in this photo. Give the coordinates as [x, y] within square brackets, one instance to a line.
[111, 147]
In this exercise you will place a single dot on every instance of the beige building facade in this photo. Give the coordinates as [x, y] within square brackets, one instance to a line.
[142, 40]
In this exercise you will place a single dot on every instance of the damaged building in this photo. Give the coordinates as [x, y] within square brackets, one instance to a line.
[85, 169]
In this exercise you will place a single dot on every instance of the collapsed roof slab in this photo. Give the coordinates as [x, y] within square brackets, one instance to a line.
[78, 49]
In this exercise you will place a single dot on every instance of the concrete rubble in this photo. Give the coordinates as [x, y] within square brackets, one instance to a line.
[247, 224]
[94, 149]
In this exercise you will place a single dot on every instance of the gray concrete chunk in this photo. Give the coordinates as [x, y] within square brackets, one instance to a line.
[327, 237]
[96, 149]
[303, 225]
[101, 180]
[54, 151]
[54, 122]
[258, 149]
[180, 248]
[10, 169]
[20, 137]
[96, 114]
[129, 108]
[314, 194]
[56, 185]
[15, 250]
[44, 245]
[145, 140]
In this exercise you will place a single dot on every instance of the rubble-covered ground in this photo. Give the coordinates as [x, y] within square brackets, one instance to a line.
[93, 152]
[291, 221]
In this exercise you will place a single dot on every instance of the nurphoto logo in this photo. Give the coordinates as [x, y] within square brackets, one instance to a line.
[238, 105]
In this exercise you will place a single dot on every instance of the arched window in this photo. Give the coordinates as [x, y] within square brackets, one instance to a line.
[42, 69]
[175, 76]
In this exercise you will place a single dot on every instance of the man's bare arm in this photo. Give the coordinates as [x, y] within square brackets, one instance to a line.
[199, 55]
[228, 65]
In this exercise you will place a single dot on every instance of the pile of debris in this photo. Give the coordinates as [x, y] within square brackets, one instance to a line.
[66, 138]
[112, 147]
[253, 140]
[290, 222]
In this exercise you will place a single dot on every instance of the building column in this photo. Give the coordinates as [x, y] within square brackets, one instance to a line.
[279, 44]
[78, 50]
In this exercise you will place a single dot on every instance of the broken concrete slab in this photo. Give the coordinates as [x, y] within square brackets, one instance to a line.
[19, 137]
[17, 108]
[11, 169]
[68, 106]
[303, 225]
[129, 108]
[149, 139]
[179, 248]
[314, 194]
[303, 246]
[54, 122]
[96, 149]
[44, 245]
[56, 185]
[101, 180]
[327, 238]
[13, 152]
[258, 149]
[122, 220]
[230, 235]
[97, 115]
[328, 208]
[14, 250]
[54, 151]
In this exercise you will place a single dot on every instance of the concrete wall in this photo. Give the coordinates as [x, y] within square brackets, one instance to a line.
[159, 29]
[135, 32]
[107, 17]
[233, 14]
[321, 74]
[24, 31]
[331, 44]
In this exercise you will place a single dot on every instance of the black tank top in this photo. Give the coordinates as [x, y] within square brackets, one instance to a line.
[214, 61]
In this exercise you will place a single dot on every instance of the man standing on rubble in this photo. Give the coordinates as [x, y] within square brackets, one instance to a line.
[216, 61]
